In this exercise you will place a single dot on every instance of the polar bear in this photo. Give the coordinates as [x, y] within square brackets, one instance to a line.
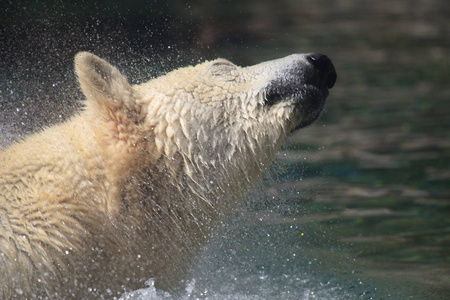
[130, 187]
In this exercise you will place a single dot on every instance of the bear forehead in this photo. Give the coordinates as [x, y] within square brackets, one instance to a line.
[211, 80]
[220, 70]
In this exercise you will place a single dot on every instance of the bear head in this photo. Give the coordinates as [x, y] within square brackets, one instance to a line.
[214, 121]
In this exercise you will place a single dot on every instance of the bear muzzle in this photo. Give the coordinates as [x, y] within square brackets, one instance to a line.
[305, 78]
[306, 83]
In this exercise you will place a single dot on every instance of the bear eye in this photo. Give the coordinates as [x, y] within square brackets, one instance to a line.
[223, 68]
[222, 63]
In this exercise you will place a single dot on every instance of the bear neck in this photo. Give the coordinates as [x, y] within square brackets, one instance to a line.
[215, 173]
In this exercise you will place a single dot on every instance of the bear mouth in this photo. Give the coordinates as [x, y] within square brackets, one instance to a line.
[309, 108]
[307, 100]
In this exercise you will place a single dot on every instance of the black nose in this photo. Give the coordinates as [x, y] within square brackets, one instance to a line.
[326, 72]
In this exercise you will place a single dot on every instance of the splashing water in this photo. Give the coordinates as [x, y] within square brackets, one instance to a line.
[227, 292]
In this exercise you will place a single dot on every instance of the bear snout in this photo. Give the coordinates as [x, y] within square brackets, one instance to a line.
[325, 72]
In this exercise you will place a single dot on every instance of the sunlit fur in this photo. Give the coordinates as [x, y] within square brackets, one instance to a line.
[129, 188]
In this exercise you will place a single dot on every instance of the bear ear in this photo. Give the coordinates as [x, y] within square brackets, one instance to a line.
[103, 83]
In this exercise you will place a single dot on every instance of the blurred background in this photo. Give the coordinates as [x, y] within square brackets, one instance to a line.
[357, 206]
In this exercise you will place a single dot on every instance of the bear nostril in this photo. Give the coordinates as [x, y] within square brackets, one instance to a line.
[326, 70]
